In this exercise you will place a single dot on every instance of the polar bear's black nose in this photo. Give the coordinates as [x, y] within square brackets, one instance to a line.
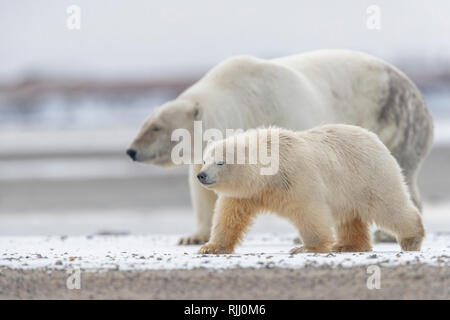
[132, 154]
[202, 177]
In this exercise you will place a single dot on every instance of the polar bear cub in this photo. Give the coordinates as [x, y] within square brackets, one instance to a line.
[337, 177]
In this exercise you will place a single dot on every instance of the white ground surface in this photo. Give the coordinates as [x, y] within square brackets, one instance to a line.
[149, 243]
[161, 252]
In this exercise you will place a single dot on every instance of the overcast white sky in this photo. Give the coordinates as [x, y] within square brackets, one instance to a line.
[172, 37]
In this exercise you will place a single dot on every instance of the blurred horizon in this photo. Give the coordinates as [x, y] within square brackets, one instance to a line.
[129, 57]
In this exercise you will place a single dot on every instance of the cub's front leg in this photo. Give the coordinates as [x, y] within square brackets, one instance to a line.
[231, 219]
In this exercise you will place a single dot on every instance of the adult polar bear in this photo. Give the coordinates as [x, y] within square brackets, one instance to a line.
[296, 92]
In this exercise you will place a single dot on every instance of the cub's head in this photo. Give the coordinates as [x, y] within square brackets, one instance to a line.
[223, 173]
[153, 143]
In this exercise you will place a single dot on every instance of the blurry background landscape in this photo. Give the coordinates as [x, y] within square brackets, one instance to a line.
[72, 100]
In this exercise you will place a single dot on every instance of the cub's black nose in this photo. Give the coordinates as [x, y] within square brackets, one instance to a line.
[132, 154]
[202, 177]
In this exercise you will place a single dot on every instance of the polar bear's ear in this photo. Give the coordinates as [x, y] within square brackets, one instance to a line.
[197, 111]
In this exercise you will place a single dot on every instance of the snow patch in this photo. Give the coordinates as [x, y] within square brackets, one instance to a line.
[160, 252]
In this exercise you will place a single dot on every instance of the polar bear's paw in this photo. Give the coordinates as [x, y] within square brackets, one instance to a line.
[194, 239]
[211, 248]
[303, 249]
[298, 250]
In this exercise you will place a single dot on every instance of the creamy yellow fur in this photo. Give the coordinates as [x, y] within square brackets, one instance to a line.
[331, 178]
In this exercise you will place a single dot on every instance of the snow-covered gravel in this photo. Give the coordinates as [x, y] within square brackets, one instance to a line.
[98, 253]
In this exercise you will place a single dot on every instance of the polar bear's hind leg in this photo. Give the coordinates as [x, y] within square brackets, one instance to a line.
[405, 223]
[352, 236]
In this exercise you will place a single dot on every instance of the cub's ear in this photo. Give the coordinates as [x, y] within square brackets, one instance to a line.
[197, 111]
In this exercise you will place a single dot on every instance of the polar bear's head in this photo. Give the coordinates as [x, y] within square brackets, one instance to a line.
[231, 177]
[153, 143]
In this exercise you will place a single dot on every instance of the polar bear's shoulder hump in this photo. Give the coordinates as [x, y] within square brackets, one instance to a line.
[238, 65]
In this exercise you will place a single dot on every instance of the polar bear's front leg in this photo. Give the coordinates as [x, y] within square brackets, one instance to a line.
[203, 202]
[231, 219]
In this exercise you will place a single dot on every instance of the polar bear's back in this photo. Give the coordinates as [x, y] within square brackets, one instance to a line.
[344, 165]
[344, 136]
[334, 61]
[329, 86]
[341, 146]
[337, 56]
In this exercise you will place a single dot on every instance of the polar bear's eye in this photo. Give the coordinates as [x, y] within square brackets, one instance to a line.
[220, 163]
[204, 162]
[156, 128]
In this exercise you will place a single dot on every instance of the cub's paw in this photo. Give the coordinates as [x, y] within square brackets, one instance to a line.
[350, 248]
[411, 244]
[211, 248]
[304, 249]
[194, 239]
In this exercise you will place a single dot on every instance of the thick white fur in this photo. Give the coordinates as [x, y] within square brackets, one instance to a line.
[295, 92]
[332, 176]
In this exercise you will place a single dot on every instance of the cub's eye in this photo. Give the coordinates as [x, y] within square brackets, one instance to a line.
[220, 163]
[204, 162]
[156, 128]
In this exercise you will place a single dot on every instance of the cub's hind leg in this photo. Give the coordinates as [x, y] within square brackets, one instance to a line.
[405, 222]
[352, 236]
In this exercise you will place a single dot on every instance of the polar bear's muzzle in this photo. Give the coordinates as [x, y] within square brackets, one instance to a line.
[161, 160]
[205, 179]
[139, 156]
[132, 154]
